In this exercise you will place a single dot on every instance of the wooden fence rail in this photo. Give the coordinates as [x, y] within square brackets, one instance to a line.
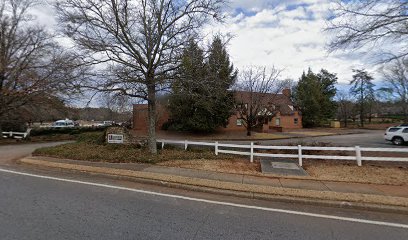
[357, 151]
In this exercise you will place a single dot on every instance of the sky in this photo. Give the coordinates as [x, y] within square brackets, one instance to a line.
[286, 34]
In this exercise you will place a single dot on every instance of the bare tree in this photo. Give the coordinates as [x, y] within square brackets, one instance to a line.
[139, 41]
[374, 22]
[396, 76]
[32, 65]
[255, 94]
[345, 106]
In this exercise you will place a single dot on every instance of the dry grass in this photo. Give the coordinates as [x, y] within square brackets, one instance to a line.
[350, 172]
[206, 160]
[268, 136]
[237, 166]
[123, 153]
[313, 133]
[318, 170]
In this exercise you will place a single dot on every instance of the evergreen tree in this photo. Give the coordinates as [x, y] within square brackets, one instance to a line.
[314, 95]
[200, 100]
[363, 90]
[221, 77]
[328, 89]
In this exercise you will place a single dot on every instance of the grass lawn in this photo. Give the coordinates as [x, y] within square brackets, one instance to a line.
[89, 147]
[268, 136]
[313, 133]
[123, 154]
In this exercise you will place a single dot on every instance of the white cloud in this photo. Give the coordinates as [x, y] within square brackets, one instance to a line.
[287, 34]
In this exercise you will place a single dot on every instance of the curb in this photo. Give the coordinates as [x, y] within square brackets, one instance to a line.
[331, 199]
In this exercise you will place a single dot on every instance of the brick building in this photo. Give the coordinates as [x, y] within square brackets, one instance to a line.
[277, 111]
[281, 114]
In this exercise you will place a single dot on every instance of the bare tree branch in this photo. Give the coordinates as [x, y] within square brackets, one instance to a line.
[256, 95]
[141, 40]
[31, 63]
[371, 24]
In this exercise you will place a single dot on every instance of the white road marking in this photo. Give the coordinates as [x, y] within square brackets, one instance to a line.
[348, 219]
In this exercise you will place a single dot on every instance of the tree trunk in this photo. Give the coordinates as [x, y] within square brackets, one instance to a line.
[361, 116]
[405, 110]
[249, 128]
[345, 120]
[151, 91]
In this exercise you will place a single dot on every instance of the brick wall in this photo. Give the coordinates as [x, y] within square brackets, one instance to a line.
[288, 121]
[140, 122]
[140, 117]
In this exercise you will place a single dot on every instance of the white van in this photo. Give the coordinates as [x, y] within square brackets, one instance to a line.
[63, 124]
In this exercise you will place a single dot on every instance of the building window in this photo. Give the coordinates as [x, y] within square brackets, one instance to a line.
[277, 122]
[296, 121]
[239, 122]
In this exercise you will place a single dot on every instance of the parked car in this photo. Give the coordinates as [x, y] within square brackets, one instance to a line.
[63, 124]
[397, 135]
[403, 125]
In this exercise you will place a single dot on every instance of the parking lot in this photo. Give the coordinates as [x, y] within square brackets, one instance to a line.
[367, 138]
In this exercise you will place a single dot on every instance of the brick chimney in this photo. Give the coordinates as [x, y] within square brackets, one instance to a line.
[286, 92]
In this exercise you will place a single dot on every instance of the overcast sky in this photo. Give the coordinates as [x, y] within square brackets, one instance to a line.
[287, 34]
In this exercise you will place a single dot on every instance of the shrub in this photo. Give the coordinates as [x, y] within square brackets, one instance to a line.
[71, 131]
[92, 137]
[16, 125]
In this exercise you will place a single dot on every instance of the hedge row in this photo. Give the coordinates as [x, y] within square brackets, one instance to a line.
[71, 131]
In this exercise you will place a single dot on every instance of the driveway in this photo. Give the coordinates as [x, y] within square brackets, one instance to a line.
[8, 153]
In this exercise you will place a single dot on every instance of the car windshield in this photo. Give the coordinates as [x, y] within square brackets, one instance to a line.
[59, 124]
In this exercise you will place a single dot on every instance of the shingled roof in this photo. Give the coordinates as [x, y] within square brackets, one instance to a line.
[282, 102]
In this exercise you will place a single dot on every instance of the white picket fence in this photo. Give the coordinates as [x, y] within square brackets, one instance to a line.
[18, 135]
[357, 156]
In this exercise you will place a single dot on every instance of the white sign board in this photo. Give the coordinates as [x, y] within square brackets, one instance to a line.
[115, 138]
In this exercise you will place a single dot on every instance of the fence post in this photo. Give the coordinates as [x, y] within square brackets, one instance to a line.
[163, 144]
[252, 152]
[185, 144]
[358, 156]
[300, 155]
[216, 148]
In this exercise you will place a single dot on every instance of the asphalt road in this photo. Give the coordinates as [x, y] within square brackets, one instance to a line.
[37, 208]
[369, 138]
[8, 153]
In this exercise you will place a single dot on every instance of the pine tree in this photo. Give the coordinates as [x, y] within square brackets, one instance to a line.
[200, 100]
[363, 90]
[314, 95]
[221, 77]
